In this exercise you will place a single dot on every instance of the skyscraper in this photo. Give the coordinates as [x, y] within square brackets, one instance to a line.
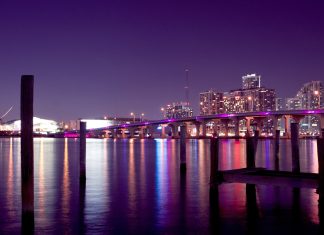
[251, 81]
[178, 110]
[211, 102]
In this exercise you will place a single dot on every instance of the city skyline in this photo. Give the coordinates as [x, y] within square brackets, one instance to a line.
[108, 58]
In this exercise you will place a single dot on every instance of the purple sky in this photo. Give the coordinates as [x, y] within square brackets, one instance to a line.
[92, 58]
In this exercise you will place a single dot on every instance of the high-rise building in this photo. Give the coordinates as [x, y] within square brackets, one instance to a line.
[251, 98]
[293, 103]
[211, 102]
[311, 95]
[178, 110]
[251, 81]
[280, 104]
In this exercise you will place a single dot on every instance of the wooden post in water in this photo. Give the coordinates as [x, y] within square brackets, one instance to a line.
[183, 148]
[276, 149]
[214, 161]
[251, 147]
[320, 151]
[27, 153]
[295, 147]
[83, 126]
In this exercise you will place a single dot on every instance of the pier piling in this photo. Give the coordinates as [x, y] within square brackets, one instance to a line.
[83, 126]
[276, 149]
[214, 174]
[295, 147]
[320, 151]
[182, 149]
[251, 147]
[27, 153]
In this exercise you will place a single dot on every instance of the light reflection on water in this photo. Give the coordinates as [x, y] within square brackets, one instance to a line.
[135, 187]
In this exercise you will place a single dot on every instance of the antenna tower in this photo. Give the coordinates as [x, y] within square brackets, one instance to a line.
[187, 87]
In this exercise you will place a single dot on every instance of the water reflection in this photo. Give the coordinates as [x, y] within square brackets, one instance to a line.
[135, 187]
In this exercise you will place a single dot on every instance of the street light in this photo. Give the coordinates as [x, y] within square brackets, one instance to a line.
[133, 114]
[142, 116]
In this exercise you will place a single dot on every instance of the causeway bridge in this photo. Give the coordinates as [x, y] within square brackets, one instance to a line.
[236, 121]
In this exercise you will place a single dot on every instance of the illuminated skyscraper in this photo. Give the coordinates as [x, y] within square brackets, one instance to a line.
[178, 110]
[211, 102]
[251, 81]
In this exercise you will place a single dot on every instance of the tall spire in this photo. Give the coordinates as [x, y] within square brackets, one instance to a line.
[187, 86]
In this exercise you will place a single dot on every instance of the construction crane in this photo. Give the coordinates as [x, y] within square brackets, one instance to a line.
[5, 114]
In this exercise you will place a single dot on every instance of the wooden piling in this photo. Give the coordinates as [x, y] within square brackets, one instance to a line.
[214, 174]
[295, 147]
[320, 152]
[182, 148]
[27, 153]
[251, 147]
[276, 149]
[83, 126]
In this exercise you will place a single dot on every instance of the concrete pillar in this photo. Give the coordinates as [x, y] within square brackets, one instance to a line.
[163, 135]
[287, 125]
[151, 130]
[204, 129]
[131, 132]
[175, 132]
[248, 125]
[259, 121]
[321, 124]
[123, 133]
[274, 124]
[225, 123]
[237, 127]
[142, 132]
[197, 125]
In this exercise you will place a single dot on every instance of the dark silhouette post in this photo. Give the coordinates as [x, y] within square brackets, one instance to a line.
[295, 147]
[27, 153]
[320, 151]
[276, 149]
[252, 209]
[183, 148]
[214, 174]
[251, 147]
[83, 126]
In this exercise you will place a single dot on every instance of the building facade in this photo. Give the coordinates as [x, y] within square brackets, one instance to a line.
[252, 97]
[211, 102]
[178, 110]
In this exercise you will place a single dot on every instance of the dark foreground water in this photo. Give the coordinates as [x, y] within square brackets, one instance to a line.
[135, 187]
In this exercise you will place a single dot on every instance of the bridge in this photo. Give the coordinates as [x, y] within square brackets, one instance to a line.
[233, 120]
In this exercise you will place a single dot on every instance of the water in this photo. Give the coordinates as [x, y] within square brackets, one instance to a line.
[135, 187]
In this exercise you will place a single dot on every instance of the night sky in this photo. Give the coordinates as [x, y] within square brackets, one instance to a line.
[93, 58]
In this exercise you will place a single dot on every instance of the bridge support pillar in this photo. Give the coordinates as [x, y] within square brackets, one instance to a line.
[197, 125]
[236, 127]
[321, 124]
[142, 132]
[163, 135]
[287, 125]
[248, 126]
[113, 133]
[175, 131]
[204, 128]
[259, 121]
[131, 132]
[274, 124]
[225, 123]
